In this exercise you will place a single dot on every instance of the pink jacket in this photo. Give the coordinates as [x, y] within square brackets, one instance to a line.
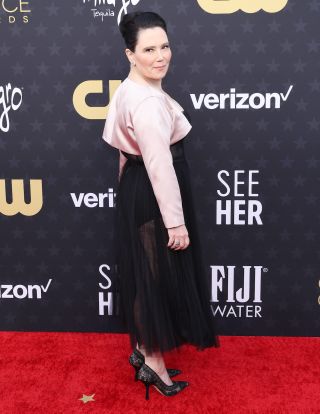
[145, 121]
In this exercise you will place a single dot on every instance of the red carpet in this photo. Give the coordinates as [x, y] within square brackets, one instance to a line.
[50, 372]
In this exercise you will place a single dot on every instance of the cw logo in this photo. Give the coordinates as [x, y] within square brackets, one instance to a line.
[86, 88]
[18, 204]
[248, 6]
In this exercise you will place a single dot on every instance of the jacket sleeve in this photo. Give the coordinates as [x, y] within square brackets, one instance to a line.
[122, 161]
[152, 124]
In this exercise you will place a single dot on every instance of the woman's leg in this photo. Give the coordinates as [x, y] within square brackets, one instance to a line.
[156, 362]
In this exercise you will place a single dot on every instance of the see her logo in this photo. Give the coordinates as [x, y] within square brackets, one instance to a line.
[247, 6]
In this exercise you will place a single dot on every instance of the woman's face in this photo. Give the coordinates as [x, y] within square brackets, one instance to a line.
[152, 54]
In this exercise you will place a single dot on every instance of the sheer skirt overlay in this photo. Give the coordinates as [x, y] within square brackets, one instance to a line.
[164, 293]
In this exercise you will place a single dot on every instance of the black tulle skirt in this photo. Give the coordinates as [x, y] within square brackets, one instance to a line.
[164, 293]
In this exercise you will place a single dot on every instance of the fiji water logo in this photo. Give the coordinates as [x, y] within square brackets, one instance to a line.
[118, 7]
[236, 292]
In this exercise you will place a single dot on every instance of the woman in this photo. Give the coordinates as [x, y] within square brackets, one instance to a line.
[163, 287]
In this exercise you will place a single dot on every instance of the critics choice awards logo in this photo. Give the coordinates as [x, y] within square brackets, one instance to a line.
[15, 11]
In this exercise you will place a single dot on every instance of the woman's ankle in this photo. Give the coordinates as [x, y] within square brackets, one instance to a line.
[141, 349]
[153, 355]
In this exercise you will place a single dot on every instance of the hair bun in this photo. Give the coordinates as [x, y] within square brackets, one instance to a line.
[131, 23]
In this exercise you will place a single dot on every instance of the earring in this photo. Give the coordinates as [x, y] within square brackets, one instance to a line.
[133, 63]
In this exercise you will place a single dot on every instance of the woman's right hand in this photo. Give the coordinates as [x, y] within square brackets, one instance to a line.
[178, 238]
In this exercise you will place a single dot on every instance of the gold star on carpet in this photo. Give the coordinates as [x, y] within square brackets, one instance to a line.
[86, 398]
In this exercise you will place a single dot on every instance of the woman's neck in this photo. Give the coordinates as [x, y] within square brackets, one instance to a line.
[154, 83]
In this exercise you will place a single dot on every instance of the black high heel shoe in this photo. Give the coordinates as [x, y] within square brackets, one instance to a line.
[150, 377]
[136, 359]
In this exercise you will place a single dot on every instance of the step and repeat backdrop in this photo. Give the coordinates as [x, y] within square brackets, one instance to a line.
[248, 74]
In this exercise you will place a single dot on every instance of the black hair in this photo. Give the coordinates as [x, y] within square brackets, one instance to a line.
[131, 23]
